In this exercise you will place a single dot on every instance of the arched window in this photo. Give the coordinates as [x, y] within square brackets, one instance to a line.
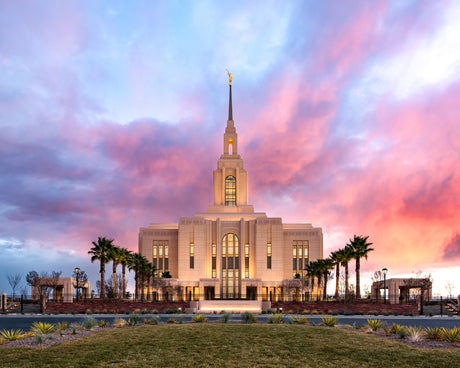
[230, 266]
[230, 191]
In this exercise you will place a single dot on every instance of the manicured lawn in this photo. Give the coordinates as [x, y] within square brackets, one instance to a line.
[229, 345]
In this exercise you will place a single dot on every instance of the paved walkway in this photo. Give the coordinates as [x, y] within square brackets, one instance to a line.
[16, 321]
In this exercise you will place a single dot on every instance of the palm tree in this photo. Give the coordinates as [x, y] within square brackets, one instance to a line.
[135, 265]
[311, 272]
[314, 271]
[325, 265]
[125, 260]
[345, 255]
[115, 255]
[99, 252]
[361, 249]
[335, 257]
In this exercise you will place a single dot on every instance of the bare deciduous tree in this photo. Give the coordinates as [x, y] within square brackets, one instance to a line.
[450, 287]
[14, 280]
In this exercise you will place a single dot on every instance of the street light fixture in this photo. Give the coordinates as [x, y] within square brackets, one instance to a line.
[77, 271]
[385, 270]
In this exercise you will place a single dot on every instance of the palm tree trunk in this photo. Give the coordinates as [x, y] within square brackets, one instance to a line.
[312, 288]
[142, 287]
[148, 287]
[358, 281]
[325, 286]
[346, 281]
[114, 279]
[136, 286]
[102, 271]
[318, 291]
[123, 270]
[337, 279]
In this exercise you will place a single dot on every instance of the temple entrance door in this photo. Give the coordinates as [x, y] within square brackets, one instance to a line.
[209, 292]
[251, 292]
[230, 288]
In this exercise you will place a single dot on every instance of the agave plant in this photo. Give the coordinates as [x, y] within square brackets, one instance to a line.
[301, 320]
[43, 327]
[434, 333]
[374, 324]
[415, 333]
[11, 335]
[199, 318]
[451, 334]
[328, 321]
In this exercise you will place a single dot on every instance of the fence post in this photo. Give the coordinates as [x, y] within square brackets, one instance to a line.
[441, 306]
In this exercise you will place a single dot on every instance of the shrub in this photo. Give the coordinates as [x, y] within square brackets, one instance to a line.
[415, 333]
[226, 317]
[374, 324]
[328, 321]
[451, 334]
[248, 317]
[395, 328]
[172, 320]
[74, 327]
[275, 318]
[11, 335]
[103, 323]
[152, 321]
[89, 323]
[61, 326]
[199, 318]
[43, 327]
[402, 333]
[134, 320]
[119, 322]
[434, 333]
[301, 320]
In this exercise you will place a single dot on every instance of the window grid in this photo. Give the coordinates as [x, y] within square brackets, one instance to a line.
[160, 256]
[299, 257]
[214, 260]
[192, 255]
[269, 255]
[230, 266]
[246, 261]
[230, 191]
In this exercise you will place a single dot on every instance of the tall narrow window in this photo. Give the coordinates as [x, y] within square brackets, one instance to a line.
[230, 191]
[299, 257]
[246, 260]
[230, 267]
[269, 255]
[230, 146]
[160, 256]
[192, 255]
[214, 260]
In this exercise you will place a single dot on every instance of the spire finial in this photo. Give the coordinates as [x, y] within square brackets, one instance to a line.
[230, 109]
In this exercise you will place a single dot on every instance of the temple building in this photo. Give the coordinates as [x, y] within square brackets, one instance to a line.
[230, 251]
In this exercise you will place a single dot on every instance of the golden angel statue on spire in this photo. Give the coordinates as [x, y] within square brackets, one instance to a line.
[229, 77]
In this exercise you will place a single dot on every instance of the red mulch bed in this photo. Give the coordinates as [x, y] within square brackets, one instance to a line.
[346, 308]
[113, 306]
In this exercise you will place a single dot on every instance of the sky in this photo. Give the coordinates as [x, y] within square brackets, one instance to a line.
[112, 115]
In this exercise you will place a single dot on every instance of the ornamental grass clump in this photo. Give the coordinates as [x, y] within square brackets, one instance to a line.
[172, 320]
[248, 317]
[374, 324]
[11, 335]
[226, 317]
[89, 323]
[301, 320]
[103, 323]
[134, 320]
[119, 322]
[434, 333]
[43, 327]
[62, 326]
[275, 318]
[415, 334]
[451, 334]
[199, 319]
[395, 328]
[328, 321]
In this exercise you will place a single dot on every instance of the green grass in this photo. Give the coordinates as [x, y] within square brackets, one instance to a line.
[230, 345]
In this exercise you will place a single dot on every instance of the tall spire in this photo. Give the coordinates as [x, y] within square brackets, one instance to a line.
[230, 110]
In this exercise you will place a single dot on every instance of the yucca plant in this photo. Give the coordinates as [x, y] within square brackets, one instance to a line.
[301, 320]
[328, 321]
[199, 318]
[11, 335]
[275, 318]
[374, 324]
[61, 326]
[395, 328]
[43, 327]
[433, 333]
[102, 323]
[451, 334]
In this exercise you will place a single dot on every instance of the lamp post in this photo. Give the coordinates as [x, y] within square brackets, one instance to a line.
[385, 270]
[77, 271]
